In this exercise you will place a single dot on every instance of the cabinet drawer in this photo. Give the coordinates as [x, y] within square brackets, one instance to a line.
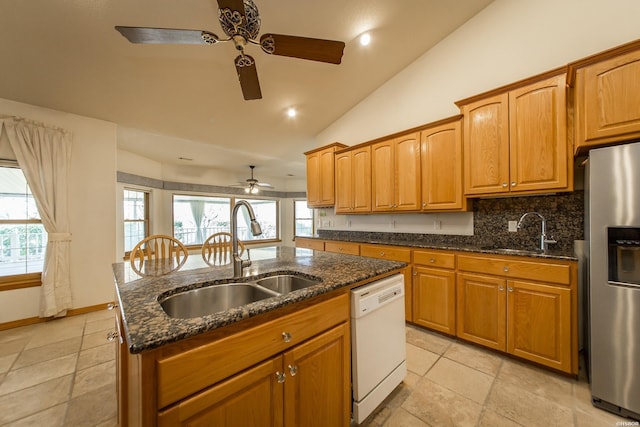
[434, 259]
[186, 373]
[342, 247]
[392, 253]
[511, 267]
[315, 244]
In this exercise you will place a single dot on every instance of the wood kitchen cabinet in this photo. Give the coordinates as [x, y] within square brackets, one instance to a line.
[441, 166]
[309, 243]
[353, 180]
[524, 307]
[395, 253]
[434, 290]
[320, 175]
[338, 247]
[395, 174]
[515, 139]
[290, 367]
[607, 97]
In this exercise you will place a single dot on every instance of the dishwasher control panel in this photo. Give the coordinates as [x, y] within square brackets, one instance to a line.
[374, 295]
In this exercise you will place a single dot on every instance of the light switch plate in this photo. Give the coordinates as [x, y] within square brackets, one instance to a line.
[513, 226]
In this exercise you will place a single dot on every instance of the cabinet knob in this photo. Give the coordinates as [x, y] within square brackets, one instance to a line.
[381, 253]
[293, 370]
[501, 288]
[286, 336]
[505, 269]
[513, 183]
[424, 204]
[280, 377]
[112, 306]
[504, 185]
[432, 260]
[112, 336]
[510, 289]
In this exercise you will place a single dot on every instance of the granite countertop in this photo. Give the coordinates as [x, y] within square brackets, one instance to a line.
[147, 326]
[479, 248]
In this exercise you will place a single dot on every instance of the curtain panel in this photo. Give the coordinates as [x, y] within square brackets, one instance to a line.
[44, 153]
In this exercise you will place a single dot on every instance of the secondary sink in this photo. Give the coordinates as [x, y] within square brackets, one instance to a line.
[285, 283]
[213, 299]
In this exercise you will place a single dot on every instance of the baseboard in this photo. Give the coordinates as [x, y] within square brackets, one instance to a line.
[34, 320]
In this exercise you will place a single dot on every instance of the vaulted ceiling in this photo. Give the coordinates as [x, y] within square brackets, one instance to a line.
[173, 101]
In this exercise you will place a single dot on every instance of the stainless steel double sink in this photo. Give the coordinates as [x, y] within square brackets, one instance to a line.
[222, 297]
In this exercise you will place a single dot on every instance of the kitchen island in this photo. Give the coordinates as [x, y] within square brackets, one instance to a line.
[285, 357]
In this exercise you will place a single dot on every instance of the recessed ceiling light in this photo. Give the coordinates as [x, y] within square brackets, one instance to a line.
[291, 112]
[365, 39]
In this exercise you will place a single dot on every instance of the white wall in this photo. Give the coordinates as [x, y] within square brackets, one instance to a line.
[507, 41]
[92, 210]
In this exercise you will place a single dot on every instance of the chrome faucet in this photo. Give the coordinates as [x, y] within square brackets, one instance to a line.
[544, 242]
[256, 230]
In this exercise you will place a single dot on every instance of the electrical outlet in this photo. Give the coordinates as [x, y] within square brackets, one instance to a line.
[513, 226]
[437, 225]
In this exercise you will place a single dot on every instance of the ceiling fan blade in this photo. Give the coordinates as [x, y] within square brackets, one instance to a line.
[166, 35]
[248, 76]
[303, 47]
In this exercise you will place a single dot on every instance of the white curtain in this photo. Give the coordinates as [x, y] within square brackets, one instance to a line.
[43, 153]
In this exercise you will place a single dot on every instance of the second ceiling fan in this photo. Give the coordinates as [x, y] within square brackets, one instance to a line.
[240, 21]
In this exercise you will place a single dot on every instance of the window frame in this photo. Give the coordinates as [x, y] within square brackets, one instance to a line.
[295, 219]
[147, 214]
[232, 201]
[24, 280]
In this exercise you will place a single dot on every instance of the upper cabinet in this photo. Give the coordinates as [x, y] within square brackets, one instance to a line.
[320, 175]
[607, 97]
[441, 160]
[353, 180]
[515, 139]
[395, 174]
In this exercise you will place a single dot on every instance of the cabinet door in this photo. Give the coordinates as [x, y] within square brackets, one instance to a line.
[539, 323]
[441, 155]
[538, 136]
[361, 179]
[382, 176]
[406, 167]
[608, 100]
[313, 179]
[486, 145]
[434, 293]
[327, 183]
[317, 389]
[344, 184]
[252, 398]
[481, 310]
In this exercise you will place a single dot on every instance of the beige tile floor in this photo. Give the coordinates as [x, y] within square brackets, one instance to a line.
[452, 383]
[62, 373]
[59, 373]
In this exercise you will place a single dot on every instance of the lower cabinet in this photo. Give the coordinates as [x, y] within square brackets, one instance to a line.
[434, 291]
[306, 386]
[290, 368]
[532, 319]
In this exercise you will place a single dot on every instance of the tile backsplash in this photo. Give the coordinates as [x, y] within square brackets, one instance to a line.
[564, 214]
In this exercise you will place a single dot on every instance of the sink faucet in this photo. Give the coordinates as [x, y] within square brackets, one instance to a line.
[544, 242]
[256, 230]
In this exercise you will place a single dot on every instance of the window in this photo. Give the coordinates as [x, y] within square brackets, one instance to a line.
[303, 218]
[266, 214]
[23, 238]
[136, 217]
[197, 217]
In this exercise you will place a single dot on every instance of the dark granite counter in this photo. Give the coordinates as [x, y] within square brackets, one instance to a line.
[451, 246]
[147, 326]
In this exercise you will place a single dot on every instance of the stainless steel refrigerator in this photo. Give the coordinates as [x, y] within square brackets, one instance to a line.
[613, 215]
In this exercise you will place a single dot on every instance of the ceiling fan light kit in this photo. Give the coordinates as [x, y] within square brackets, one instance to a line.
[240, 21]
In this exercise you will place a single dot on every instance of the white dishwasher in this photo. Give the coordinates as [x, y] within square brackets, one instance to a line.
[378, 347]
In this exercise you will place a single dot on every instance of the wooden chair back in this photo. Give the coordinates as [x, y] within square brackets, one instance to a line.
[216, 250]
[158, 254]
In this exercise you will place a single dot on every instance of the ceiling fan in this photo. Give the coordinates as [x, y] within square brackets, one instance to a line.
[240, 21]
[252, 185]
